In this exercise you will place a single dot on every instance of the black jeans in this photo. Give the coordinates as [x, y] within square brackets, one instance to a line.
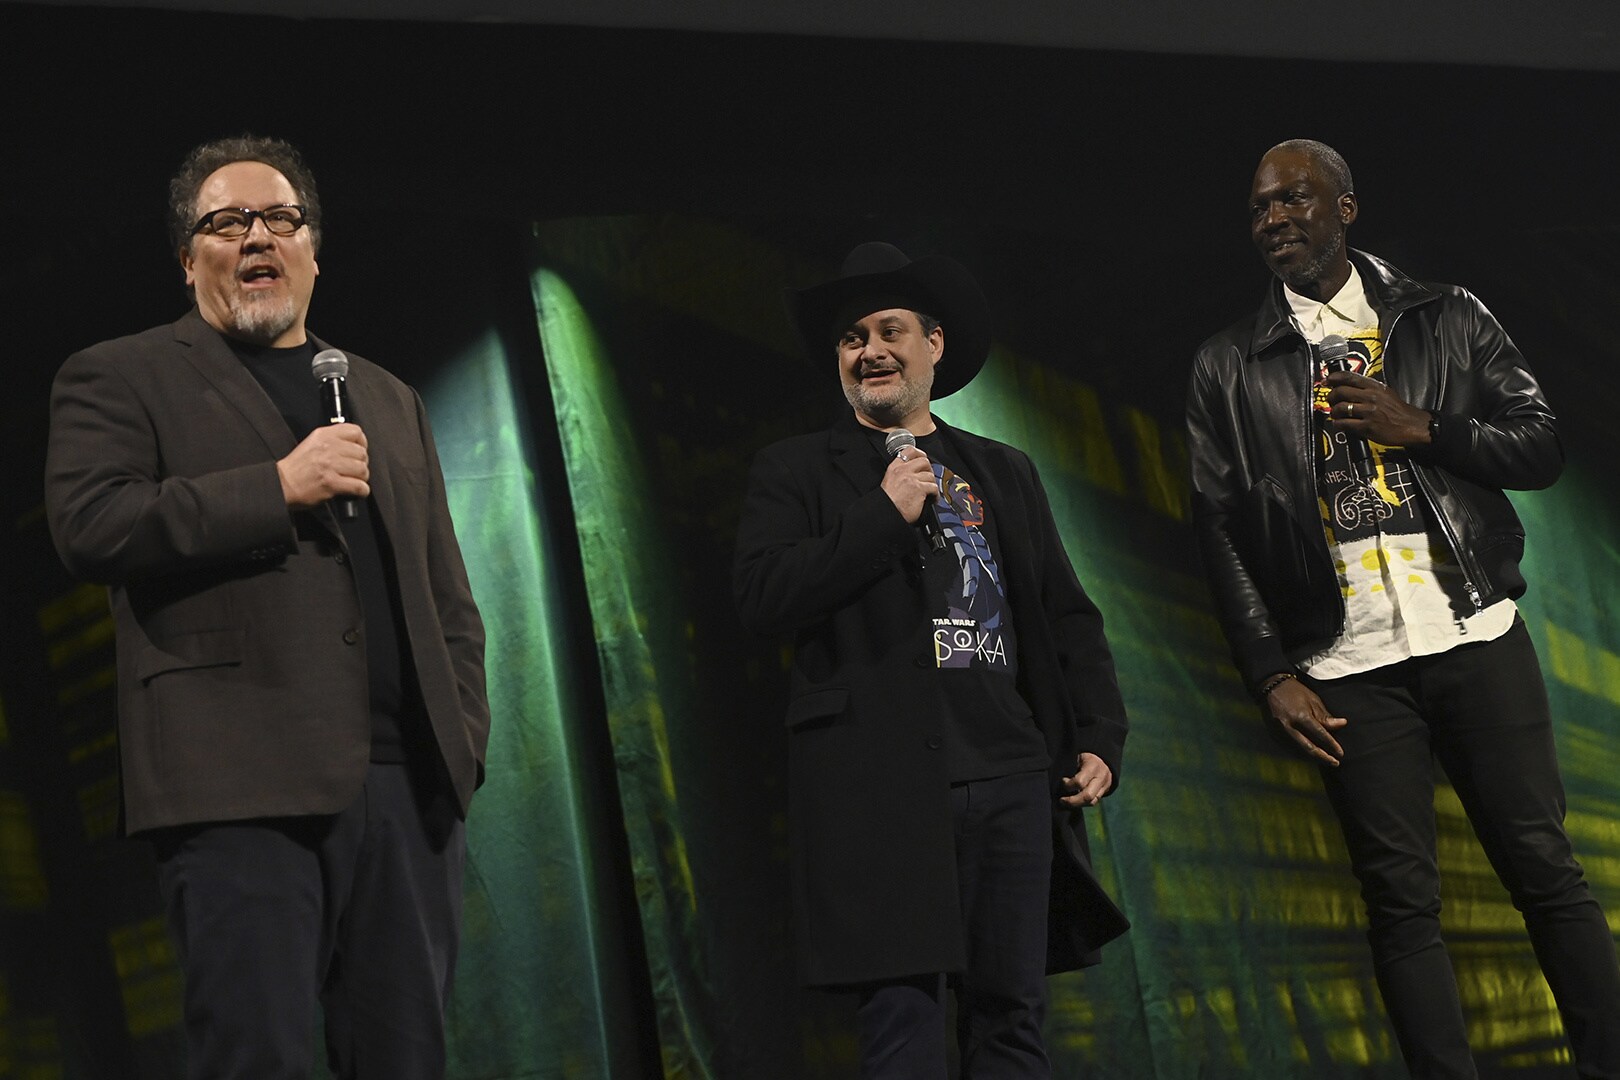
[1004, 868]
[1481, 710]
[360, 910]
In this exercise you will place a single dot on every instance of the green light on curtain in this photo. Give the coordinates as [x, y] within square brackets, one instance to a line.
[529, 990]
[626, 570]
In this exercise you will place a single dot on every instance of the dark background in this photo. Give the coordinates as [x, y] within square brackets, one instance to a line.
[1123, 175]
[1108, 185]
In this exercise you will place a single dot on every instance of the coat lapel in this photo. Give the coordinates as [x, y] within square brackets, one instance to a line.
[207, 351]
[1001, 504]
[383, 430]
[854, 456]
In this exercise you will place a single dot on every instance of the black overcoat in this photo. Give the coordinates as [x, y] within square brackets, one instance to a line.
[242, 687]
[824, 556]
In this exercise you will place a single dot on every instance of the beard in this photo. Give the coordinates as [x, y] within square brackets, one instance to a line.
[1302, 277]
[261, 319]
[890, 405]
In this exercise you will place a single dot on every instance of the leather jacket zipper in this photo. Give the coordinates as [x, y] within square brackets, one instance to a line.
[1310, 447]
[1464, 559]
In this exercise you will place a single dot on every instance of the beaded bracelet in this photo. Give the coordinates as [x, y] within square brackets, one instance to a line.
[1275, 681]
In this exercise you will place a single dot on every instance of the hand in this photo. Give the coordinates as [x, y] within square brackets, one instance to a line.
[332, 461]
[1366, 407]
[1089, 783]
[909, 483]
[1303, 716]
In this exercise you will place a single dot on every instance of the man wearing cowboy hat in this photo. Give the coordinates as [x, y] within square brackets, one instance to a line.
[953, 701]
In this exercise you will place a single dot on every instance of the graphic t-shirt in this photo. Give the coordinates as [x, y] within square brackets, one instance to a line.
[1404, 593]
[989, 728]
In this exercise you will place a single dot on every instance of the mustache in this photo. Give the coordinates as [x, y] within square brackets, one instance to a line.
[866, 369]
[260, 261]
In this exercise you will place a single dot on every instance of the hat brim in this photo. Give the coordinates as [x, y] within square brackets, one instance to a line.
[933, 285]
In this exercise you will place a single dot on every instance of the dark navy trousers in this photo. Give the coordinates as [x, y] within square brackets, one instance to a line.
[359, 912]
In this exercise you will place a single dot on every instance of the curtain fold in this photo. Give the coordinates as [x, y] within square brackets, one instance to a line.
[633, 613]
[534, 993]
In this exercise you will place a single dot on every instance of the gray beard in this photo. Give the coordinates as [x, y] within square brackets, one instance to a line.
[1302, 278]
[261, 321]
[887, 411]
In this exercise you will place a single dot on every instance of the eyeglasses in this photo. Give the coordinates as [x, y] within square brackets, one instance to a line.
[283, 220]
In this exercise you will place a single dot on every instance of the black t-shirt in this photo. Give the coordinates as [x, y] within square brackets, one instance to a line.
[395, 704]
[989, 728]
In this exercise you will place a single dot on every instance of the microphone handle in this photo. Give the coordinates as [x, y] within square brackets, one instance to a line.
[1360, 457]
[1356, 447]
[346, 507]
[931, 526]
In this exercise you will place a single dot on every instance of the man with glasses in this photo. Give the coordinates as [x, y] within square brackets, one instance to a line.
[302, 714]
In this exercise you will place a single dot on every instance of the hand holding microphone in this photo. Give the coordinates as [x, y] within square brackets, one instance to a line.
[332, 461]
[1335, 354]
[1364, 408]
[910, 484]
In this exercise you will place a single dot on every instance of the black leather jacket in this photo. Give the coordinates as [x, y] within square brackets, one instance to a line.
[1251, 440]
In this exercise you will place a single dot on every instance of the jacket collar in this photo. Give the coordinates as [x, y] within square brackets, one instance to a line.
[1392, 292]
[851, 446]
[207, 350]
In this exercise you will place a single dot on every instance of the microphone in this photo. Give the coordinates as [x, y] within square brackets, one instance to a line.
[1335, 354]
[896, 441]
[331, 369]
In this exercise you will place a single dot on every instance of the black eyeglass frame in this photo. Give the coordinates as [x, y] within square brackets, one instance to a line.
[207, 220]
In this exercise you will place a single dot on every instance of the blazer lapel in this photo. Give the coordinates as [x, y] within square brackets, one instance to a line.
[207, 351]
[853, 454]
[370, 400]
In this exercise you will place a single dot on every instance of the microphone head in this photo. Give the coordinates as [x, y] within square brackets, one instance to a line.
[330, 364]
[898, 440]
[1335, 353]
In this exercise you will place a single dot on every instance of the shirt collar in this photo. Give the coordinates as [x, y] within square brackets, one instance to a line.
[1345, 310]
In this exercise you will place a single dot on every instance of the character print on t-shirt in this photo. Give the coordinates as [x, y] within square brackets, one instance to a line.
[1362, 506]
[974, 629]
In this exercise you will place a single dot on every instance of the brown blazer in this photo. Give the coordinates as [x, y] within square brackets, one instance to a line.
[242, 688]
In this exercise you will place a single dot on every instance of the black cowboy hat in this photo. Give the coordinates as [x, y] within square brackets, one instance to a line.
[876, 276]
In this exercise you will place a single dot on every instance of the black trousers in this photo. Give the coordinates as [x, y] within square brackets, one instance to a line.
[360, 911]
[1481, 710]
[1004, 867]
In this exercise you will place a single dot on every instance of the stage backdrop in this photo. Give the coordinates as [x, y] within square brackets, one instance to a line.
[669, 364]
[627, 912]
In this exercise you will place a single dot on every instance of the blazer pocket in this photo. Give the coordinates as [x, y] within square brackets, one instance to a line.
[184, 652]
[817, 705]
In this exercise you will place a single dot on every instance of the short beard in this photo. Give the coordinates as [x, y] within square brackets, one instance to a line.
[1301, 278]
[911, 396]
[260, 321]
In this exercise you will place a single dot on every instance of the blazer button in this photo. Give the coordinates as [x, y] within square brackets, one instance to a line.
[924, 661]
[350, 637]
[935, 742]
[341, 558]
